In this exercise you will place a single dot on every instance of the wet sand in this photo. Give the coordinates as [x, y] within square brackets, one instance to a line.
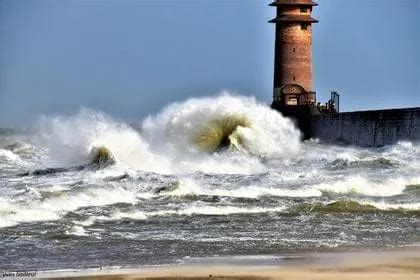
[396, 264]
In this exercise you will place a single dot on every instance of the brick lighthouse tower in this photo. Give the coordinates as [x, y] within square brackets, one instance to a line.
[293, 93]
[293, 52]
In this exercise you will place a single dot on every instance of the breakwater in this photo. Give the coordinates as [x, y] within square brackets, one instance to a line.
[368, 128]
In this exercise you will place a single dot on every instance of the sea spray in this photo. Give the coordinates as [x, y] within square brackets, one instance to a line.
[193, 130]
[262, 130]
[184, 137]
[69, 140]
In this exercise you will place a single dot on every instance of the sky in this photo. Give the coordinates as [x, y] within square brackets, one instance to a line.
[132, 58]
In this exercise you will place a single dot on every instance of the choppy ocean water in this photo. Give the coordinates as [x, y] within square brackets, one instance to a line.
[208, 177]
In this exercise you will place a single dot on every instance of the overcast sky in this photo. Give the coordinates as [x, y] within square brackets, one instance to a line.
[131, 58]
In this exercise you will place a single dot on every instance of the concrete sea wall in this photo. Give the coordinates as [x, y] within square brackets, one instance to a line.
[368, 128]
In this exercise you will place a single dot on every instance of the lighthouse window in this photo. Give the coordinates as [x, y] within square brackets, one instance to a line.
[304, 26]
[303, 10]
[292, 101]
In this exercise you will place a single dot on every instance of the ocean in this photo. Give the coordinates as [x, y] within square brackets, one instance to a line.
[219, 177]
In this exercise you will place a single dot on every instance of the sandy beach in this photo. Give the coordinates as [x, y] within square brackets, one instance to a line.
[395, 264]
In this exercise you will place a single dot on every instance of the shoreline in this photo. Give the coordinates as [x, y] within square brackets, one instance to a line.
[400, 263]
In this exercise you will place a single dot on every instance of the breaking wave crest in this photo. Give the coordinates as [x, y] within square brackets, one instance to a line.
[6, 155]
[68, 141]
[184, 137]
[221, 133]
[351, 206]
[209, 123]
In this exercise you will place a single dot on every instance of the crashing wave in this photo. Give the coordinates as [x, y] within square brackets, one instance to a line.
[63, 148]
[6, 155]
[213, 123]
[181, 138]
[351, 206]
[221, 133]
[20, 148]
[101, 156]
[347, 206]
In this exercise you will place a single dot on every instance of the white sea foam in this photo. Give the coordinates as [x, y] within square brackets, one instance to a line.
[364, 186]
[77, 230]
[12, 214]
[9, 156]
[191, 187]
[134, 215]
[88, 222]
[114, 216]
[394, 206]
[59, 203]
[90, 196]
[209, 210]
[68, 140]
[196, 208]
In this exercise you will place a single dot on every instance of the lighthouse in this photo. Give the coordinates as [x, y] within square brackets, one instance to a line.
[293, 53]
[293, 93]
[294, 96]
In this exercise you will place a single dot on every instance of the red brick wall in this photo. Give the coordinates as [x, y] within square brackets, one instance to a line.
[293, 53]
